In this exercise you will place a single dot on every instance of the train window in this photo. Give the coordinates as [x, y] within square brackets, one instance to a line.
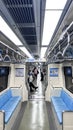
[68, 78]
[68, 71]
[4, 72]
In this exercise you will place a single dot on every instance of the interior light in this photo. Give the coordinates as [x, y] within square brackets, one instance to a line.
[5, 29]
[53, 4]
[26, 52]
[50, 22]
[43, 50]
[53, 12]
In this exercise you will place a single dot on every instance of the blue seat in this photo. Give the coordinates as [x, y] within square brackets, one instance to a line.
[8, 103]
[5, 97]
[62, 103]
[67, 99]
[59, 115]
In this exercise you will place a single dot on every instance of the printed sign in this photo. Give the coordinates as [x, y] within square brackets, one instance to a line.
[54, 72]
[19, 72]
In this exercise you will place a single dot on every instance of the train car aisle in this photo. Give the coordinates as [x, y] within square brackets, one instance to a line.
[39, 94]
[35, 116]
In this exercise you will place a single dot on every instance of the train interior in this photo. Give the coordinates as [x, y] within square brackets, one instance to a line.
[36, 75]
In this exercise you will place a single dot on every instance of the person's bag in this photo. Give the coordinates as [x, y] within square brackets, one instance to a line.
[28, 80]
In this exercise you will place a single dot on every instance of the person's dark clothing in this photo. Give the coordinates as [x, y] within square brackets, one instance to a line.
[42, 76]
[35, 71]
[32, 86]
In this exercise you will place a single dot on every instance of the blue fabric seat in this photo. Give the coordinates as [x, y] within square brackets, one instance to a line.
[8, 103]
[57, 100]
[59, 115]
[62, 103]
[5, 97]
[67, 99]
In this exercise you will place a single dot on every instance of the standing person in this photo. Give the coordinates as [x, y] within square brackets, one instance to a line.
[30, 81]
[35, 71]
[42, 76]
[44, 73]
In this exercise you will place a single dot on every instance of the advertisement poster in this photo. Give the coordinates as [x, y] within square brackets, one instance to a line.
[54, 72]
[19, 72]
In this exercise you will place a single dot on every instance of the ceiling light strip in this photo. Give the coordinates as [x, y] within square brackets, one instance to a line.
[4, 27]
[10, 48]
[52, 9]
[26, 52]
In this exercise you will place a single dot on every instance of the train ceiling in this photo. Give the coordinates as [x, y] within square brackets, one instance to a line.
[61, 44]
[26, 18]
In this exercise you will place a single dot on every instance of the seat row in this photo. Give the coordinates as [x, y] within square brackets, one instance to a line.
[9, 107]
[63, 108]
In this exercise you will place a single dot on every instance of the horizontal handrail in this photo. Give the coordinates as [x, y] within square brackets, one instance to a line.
[56, 87]
[16, 87]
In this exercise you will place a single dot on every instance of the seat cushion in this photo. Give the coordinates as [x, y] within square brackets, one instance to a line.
[7, 116]
[59, 106]
[5, 97]
[67, 99]
[10, 106]
[59, 116]
[57, 100]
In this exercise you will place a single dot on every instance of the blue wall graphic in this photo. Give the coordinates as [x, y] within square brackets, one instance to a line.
[54, 72]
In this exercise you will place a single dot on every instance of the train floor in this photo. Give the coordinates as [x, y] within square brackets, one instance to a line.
[36, 113]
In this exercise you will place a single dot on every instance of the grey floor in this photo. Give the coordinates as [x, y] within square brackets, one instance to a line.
[51, 116]
[19, 117]
[35, 116]
[36, 113]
